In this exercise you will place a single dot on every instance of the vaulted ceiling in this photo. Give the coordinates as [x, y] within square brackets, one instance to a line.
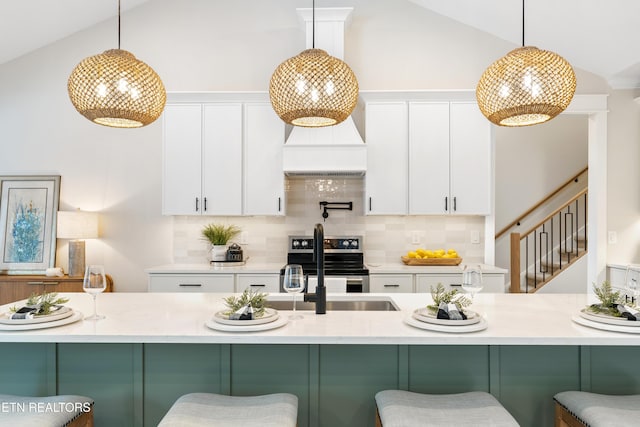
[601, 37]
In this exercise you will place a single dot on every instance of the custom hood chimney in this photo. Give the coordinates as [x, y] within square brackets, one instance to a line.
[333, 150]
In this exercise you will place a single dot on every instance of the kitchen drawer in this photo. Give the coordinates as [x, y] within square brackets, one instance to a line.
[191, 283]
[391, 283]
[492, 283]
[424, 282]
[258, 282]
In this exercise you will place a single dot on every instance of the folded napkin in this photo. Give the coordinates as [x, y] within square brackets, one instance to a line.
[628, 312]
[29, 312]
[243, 313]
[450, 311]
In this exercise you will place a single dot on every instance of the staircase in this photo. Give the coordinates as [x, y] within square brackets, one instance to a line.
[555, 236]
[556, 242]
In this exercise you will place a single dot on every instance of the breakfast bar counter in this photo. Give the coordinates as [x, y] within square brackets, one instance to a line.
[512, 319]
[154, 347]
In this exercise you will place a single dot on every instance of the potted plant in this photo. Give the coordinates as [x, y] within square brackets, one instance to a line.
[219, 236]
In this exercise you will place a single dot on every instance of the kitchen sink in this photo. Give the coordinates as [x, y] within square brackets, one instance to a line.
[337, 305]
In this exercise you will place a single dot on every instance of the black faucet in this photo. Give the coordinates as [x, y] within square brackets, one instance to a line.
[320, 296]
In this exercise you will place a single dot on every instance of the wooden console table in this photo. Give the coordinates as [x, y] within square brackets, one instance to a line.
[19, 287]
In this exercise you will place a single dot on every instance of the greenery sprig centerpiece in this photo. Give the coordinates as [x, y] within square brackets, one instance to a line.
[257, 299]
[440, 294]
[609, 300]
[44, 303]
[219, 234]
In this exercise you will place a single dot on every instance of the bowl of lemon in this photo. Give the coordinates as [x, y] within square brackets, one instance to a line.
[432, 257]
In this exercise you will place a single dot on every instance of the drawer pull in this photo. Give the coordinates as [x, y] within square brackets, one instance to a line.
[456, 284]
[391, 286]
[42, 283]
[260, 285]
[190, 285]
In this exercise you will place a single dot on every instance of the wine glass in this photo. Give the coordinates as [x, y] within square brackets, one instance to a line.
[632, 283]
[94, 282]
[472, 279]
[293, 283]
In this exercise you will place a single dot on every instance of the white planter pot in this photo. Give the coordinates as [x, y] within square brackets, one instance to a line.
[219, 253]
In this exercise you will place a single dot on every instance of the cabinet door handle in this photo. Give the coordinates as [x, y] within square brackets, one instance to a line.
[190, 285]
[205, 204]
[197, 206]
[279, 204]
[454, 204]
[369, 204]
[446, 204]
[391, 286]
[257, 285]
[42, 283]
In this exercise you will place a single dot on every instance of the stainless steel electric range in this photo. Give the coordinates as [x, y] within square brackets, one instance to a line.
[343, 258]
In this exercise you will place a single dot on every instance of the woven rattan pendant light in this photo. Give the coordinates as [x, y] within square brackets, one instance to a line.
[313, 89]
[526, 87]
[115, 89]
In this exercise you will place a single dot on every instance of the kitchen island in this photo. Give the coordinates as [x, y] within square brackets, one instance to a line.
[154, 347]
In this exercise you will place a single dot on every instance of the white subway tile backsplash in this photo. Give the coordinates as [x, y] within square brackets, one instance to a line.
[386, 238]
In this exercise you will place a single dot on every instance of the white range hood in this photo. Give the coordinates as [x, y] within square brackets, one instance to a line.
[333, 150]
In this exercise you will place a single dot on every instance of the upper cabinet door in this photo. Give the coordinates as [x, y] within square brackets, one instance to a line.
[264, 176]
[387, 151]
[222, 159]
[471, 160]
[182, 160]
[429, 158]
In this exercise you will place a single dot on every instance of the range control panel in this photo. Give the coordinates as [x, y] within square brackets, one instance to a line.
[305, 243]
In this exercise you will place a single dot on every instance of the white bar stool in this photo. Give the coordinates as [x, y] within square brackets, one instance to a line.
[207, 409]
[398, 408]
[49, 411]
[580, 408]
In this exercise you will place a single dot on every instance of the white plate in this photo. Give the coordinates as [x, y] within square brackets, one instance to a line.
[59, 314]
[75, 316]
[426, 315]
[606, 326]
[212, 324]
[604, 318]
[463, 329]
[270, 315]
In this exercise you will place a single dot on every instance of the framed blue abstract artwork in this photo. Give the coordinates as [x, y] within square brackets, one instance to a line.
[28, 211]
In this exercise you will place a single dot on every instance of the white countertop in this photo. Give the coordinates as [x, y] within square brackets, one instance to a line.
[249, 268]
[513, 319]
[400, 268]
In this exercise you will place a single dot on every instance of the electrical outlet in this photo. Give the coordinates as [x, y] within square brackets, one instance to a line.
[475, 236]
[415, 238]
[612, 237]
[244, 238]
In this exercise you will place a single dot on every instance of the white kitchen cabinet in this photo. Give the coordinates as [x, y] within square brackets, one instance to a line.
[191, 283]
[181, 163]
[258, 282]
[387, 158]
[450, 159]
[202, 158]
[492, 283]
[263, 173]
[391, 283]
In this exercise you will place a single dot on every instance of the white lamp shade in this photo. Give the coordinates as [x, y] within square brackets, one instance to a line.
[77, 225]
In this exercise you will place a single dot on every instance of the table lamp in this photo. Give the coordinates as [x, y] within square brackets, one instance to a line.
[77, 225]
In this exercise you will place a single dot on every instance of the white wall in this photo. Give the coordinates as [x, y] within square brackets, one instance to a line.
[214, 45]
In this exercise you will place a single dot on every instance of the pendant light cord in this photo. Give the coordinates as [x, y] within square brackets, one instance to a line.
[313, 24]
[119, 24]
[522, 23]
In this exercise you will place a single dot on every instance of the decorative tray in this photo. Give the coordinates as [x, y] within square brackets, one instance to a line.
[270, 315]
[426, 315]
[62, 313]
[431, 261]
[605, 318]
